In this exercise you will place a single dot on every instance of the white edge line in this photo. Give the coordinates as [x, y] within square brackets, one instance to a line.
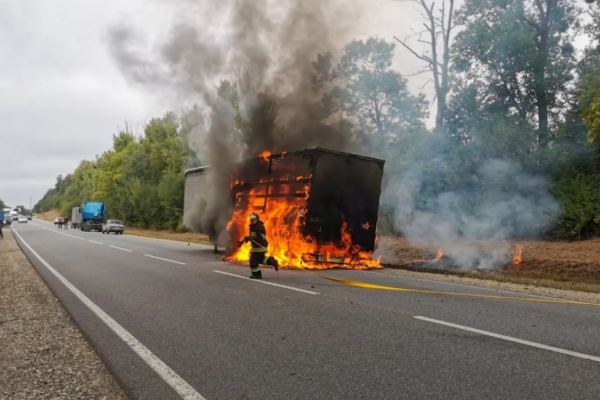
[120, 248]
[93, 241]
[167, 374]
[165, 259]
[267, 283]
[512, 339]
[66, 234]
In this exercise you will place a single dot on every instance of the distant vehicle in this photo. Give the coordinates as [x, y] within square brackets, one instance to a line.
[22, 219]
[56, 220]
[76, 217]
[92, 216]
[29, 218]
[113, 225]
[2, 217]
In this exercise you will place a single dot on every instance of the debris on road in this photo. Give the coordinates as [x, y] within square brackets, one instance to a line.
[43, 355]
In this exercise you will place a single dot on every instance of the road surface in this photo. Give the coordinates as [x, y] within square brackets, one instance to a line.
[173, 321]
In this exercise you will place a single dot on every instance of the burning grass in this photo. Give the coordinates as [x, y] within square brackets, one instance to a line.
[558, 265]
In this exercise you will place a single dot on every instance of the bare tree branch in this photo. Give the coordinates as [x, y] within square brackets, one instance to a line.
[424, 58]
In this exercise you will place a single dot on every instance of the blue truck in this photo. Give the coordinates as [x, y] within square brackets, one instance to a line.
[93, 215]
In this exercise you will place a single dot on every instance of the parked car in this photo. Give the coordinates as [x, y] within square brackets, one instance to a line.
[29, 218]
[22, 218]
[113, 225]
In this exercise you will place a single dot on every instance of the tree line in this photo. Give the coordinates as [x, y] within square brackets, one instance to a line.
[508, 84]
[140, 179]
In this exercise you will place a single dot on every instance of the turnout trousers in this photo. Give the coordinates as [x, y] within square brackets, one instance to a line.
[257, 258]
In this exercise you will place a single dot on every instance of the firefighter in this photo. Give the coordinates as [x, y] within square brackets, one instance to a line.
[258, 254]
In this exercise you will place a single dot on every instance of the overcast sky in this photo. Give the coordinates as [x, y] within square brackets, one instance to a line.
[63, 97]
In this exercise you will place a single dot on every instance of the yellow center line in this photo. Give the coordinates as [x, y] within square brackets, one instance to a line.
[365, 285]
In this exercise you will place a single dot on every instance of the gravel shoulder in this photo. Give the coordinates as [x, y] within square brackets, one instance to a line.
[43, 355]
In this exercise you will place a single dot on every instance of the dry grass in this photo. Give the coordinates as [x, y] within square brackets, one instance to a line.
[188, 237]
[557, 265]
[48, 216]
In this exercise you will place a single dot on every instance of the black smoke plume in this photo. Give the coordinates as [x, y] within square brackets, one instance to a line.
[273, 44]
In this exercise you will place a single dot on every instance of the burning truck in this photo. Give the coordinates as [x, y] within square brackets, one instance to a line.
[320, 207]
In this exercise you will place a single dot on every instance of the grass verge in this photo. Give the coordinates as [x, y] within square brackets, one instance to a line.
[512, 276]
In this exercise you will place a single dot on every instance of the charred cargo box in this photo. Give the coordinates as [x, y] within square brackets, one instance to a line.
[335, 192]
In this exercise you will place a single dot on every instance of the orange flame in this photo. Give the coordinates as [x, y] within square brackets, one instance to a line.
[439, 255]
[283, 219]
[265, 155]
[517, 259]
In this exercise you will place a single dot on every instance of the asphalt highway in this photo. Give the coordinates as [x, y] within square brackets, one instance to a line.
[173, 321]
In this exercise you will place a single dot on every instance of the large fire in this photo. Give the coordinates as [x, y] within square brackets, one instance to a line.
[283, 218]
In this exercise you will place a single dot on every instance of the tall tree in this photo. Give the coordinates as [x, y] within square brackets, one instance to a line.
[519, 55]
[438, 27]
[363, 86]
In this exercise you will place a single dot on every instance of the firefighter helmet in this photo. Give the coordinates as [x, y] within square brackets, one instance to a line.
[253, 216]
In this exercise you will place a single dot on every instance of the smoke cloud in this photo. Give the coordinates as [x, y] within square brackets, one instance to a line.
[270, 45]
[472, 224]
[268, 48]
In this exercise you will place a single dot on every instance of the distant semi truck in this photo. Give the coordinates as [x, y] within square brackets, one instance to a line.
[76, 216]
[93, 215]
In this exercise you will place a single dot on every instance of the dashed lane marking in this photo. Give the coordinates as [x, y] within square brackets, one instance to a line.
[120, 248]
[182, 388]
[165, 259]
[266, 282]
[511, 339]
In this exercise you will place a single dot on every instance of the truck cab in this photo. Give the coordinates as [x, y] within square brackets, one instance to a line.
[93, 215]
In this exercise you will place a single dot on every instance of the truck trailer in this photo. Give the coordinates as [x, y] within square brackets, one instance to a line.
[92, 216]
[328, 198]
[76, 216]
[196, 195]
[337, 193]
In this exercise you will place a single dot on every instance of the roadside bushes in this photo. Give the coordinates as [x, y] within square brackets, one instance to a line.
[578, 193]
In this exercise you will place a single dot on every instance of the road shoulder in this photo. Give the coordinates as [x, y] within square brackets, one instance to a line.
[496, 285]
[43, 354]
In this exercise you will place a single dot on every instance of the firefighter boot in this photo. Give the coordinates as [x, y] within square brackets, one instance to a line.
[256, 275]
[273, 262]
